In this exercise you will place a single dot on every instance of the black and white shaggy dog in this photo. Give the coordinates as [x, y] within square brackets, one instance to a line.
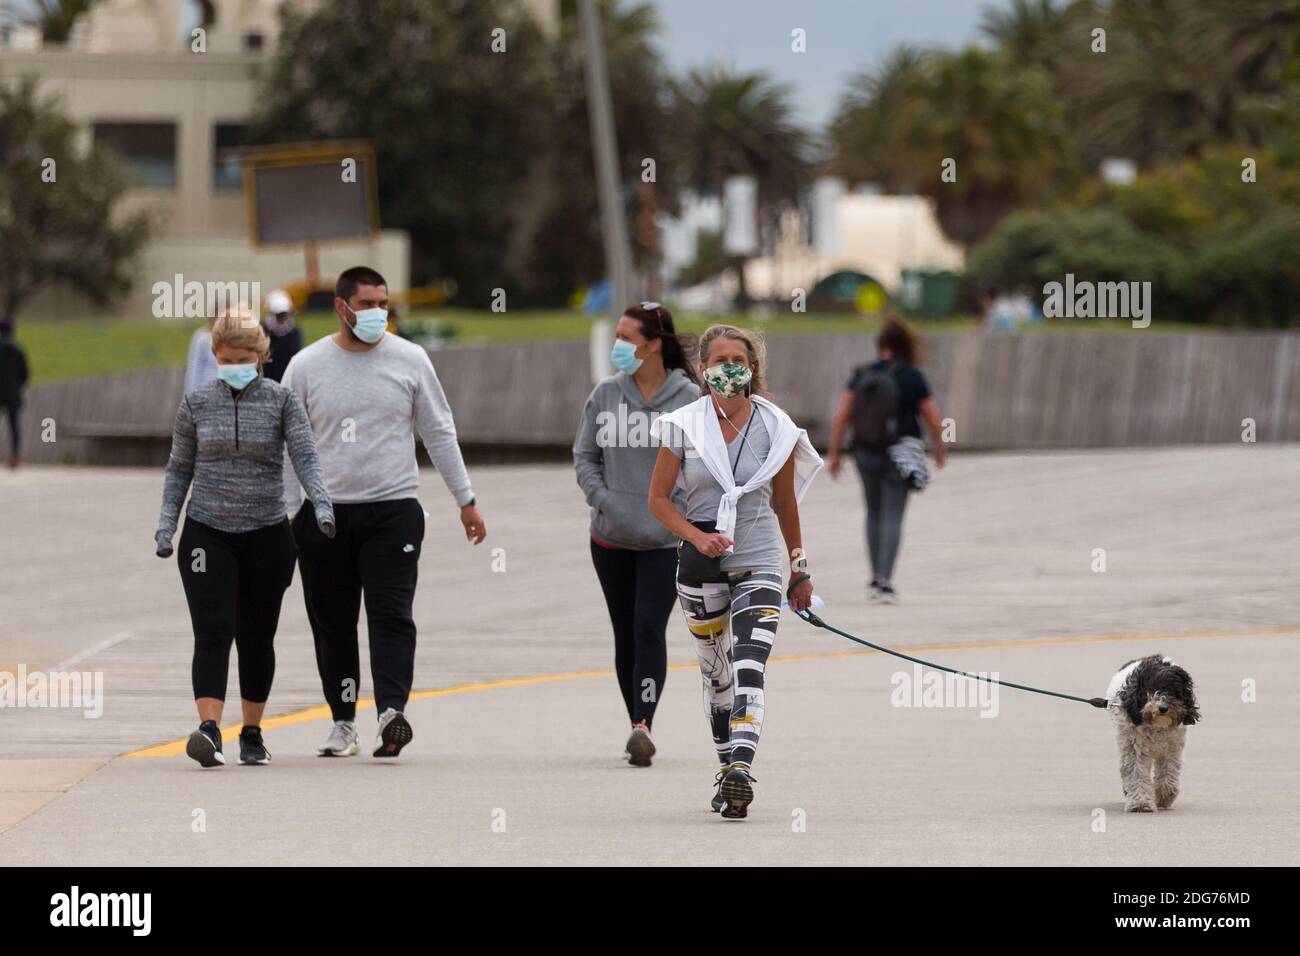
[1151, 702]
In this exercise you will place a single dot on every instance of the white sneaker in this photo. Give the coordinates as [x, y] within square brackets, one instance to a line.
[343, 740]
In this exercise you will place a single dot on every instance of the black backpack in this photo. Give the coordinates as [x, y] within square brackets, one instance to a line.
[875, 408]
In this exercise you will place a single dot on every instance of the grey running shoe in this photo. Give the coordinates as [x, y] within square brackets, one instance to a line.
[640, 748]
[394, 733]
[342, 742]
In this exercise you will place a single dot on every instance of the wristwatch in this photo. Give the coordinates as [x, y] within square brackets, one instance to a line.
[799, 565]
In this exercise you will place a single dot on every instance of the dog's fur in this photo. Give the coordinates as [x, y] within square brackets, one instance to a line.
[1151, 703]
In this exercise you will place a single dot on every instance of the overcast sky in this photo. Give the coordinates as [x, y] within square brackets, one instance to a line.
[843, 38]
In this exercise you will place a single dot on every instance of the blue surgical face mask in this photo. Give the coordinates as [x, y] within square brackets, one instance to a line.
[370, 324]
[237, 377]
[623, 355]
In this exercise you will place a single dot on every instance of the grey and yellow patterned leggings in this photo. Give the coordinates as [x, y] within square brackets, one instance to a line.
[734, 625]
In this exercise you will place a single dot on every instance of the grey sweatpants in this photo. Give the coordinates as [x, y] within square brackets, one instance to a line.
[886, 495]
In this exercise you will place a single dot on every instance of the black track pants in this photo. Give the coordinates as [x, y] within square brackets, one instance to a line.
[374, 555]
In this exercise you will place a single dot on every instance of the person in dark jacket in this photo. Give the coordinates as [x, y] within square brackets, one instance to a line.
[13, 376]
[286, 337]
[635, 556]
[883, 485]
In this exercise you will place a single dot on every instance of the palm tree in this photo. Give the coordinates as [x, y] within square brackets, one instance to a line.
[740, 124]
[999, 120]
[1181, 75]
[1031, 31]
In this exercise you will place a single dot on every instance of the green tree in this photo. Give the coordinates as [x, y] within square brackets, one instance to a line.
[567, 251]
[55, 18]
[999, 122]
[457, 127]
[730, 124]
[57, 223]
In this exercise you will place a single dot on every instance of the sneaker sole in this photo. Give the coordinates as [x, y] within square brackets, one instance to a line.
[254, 761]
[351, 750]
[738, 795]
[200, 748]
[640, 749]
[396, 735]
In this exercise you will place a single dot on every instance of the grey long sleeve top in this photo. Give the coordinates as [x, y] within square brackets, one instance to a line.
[230, 446]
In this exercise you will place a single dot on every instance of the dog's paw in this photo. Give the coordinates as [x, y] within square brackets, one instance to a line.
[1139, 806]
[1165, 799]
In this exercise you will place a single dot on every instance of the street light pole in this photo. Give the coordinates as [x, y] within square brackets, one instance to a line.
[613, 220]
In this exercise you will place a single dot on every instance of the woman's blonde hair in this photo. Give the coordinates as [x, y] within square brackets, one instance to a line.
[239, 329]
[754, 345]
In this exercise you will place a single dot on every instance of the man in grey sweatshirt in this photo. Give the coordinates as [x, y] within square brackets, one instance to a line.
[366, 392]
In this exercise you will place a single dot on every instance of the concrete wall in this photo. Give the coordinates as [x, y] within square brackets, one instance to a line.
[1067, 390]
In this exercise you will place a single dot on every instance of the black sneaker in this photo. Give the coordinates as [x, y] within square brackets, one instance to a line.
[888, 595]
[204, 745]
[252, 752]
[737, 792]
[717, 803]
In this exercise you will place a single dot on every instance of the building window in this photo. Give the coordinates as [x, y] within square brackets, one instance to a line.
[149, 150]
[226, 171]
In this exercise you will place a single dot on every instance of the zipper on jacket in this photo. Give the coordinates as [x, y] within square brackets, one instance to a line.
[234, 397]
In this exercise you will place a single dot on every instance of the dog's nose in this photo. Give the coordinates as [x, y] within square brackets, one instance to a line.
[1164, 708]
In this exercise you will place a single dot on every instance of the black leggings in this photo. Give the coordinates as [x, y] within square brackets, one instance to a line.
[640, 590]
[234, 583]
[375, 554]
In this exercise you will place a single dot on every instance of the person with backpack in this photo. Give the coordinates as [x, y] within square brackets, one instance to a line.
[884, 401]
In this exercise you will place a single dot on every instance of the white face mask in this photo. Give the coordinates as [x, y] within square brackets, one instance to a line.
[370, 323]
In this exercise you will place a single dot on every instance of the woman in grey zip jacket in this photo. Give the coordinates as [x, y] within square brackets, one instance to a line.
[236, 551]
[635, 557]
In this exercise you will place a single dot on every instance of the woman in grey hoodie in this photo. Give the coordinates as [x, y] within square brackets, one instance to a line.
[236, 551]
[635, 557]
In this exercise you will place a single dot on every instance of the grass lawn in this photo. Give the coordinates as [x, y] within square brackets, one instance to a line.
[62, 350]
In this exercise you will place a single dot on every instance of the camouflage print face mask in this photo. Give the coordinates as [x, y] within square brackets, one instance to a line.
[728, 380]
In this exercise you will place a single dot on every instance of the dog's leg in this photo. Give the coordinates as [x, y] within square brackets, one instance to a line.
[1127, 763]
[1139, 791]
[1168, 767]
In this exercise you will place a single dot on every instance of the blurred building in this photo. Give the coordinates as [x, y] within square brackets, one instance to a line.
[130, 77]
[843, 231]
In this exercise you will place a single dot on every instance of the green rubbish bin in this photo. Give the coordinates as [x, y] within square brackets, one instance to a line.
[930, 293]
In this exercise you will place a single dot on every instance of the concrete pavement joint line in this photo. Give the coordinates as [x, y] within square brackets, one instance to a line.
[91, 651]
[320, 711]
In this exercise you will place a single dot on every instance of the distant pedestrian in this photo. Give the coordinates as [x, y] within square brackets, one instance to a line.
[200, 365]
[634, 555]
[13, 377]
[885, 402]
[286, 337]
